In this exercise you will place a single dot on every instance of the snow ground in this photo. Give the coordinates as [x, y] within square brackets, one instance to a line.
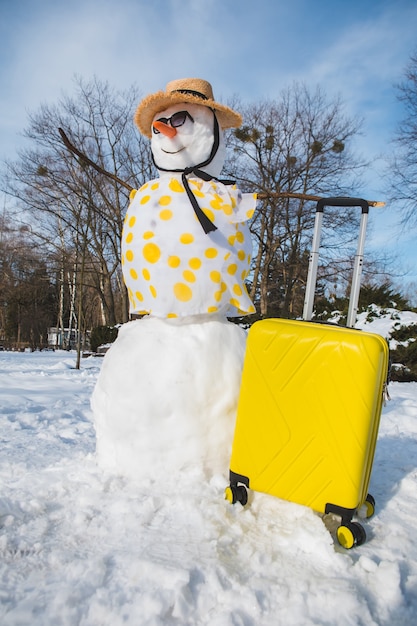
[81, 547]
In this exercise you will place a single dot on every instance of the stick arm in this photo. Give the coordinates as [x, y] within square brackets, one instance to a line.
[84, 158]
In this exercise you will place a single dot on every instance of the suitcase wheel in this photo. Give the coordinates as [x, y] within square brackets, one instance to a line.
[350, 535]
[236, 493]
[368, 507]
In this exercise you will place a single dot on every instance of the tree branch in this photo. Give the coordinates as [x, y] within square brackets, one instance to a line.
[84, 159]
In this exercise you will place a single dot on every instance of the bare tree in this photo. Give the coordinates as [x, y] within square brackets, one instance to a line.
[78, 209]
[28, 299]
[290, 151]
[402, 172]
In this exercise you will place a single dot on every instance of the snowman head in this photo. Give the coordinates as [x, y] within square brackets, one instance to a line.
[185, 136]
[195, 135]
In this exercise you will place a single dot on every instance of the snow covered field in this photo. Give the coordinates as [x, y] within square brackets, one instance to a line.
[78, 547]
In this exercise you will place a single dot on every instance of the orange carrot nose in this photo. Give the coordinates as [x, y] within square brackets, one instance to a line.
[165, 129]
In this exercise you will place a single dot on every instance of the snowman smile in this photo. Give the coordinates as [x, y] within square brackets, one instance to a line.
[173, 151]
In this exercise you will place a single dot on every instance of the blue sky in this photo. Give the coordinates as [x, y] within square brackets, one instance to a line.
[253, 48]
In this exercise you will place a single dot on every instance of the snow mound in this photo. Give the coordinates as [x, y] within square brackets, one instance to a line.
[384, 321]
[166, 397]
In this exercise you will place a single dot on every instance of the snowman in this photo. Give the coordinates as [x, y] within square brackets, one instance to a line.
[166, 397]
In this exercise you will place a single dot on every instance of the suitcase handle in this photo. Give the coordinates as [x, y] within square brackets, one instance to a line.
[343, 202]
[313, 261]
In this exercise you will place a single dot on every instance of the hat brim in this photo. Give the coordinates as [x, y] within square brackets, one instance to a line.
[151, 105]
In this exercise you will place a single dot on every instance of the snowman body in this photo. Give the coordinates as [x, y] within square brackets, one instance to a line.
[168, 388]
[165, 400]
[171, 266]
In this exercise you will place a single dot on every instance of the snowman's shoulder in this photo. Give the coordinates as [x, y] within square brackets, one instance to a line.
[245, 207]
[149, 186]
[243, 204]
[148, 189]
[164, 184]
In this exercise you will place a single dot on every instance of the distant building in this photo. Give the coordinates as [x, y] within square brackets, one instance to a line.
[66, 339]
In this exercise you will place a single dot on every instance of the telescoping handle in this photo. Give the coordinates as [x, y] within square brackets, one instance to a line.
[314, 256]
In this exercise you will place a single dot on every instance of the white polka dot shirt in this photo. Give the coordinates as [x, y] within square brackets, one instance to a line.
[171, 267]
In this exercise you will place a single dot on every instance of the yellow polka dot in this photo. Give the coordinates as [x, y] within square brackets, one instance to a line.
[132, 221]
[234, 203]
[250, 213]
[175, 185]
[148, 234]
[244, 274]
[151, 252]
[223, 287]
[232, 269]
[234, 302]
[227, 208]
[145, 199]
[129, 237]
[231, 239]
[240, 236]
[189, 276]
[241, 255]
[209, 214]
[166, 214]
[216, 204]
[182, 292]
[198, 193]
[218, 296]
[187, 238]
[132, 194]
[210, 253]
[154, 186]
[145, 186]
[174, 261]
[195, 263]
[165, 200]
[146, 274]
[237, 290]
[212, 309]
[152, 290]
[215, 276]
[129, 255]
[133, 274]
[172, 315]
[139, 296]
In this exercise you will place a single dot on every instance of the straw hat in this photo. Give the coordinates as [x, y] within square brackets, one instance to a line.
[193, 90]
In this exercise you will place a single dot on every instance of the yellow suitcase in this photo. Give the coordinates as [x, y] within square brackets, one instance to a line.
[308, 416]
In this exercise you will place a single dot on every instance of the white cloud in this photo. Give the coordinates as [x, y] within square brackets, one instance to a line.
[367, 55]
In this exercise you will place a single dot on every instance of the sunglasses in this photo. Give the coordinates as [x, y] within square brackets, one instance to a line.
[176, 120]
